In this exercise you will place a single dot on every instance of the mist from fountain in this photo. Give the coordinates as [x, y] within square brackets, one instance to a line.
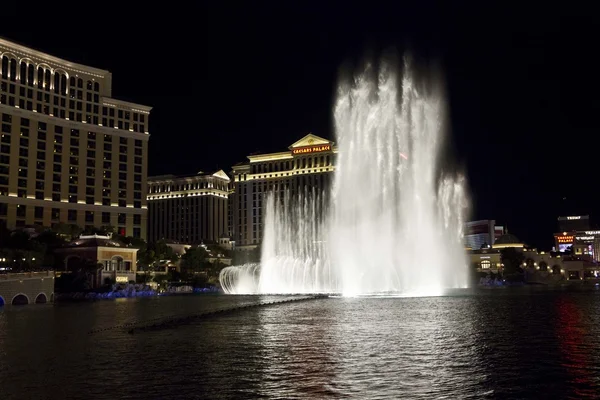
[392, 222]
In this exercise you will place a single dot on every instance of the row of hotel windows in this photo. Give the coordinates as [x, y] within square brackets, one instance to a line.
[73, 160]
[77, 116]
[38, 213]
[297, 163]
[187, 218]
[260, 189]
[58, 130]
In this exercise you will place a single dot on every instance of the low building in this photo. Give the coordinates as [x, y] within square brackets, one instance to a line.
[486, 260]
[115, 261]
[508, 240]
[179, 248]
[489, 258]
[539, 266]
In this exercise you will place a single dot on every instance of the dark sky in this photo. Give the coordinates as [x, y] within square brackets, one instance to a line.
[226, 81]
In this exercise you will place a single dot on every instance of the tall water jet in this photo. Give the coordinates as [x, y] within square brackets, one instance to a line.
[392, 222]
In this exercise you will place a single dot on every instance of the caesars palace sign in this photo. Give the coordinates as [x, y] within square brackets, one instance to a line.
[311, 149]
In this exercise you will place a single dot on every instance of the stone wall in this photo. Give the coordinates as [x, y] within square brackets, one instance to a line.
[31, 285]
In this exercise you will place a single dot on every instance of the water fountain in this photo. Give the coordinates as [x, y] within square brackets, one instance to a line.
[392, 223]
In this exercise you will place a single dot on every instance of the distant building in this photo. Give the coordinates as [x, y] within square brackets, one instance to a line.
[508, 240]
[482, 232]
[576, 236]
[188, 209]
[579, 243]
[69, 152]
[539, 266]
[574, 223]
[308, 163]
[485, 259]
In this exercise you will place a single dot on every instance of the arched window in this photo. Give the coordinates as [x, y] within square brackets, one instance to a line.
[20, 300]
[115, 264]
[72, 81]
[13, 70]
[89, 85]
[543, 266]
[48, 80]
[41, 299]
[5, 67]
[80, 83]
[30, 75]
[556, 269]
[56, 83]
[40, 77]
[63, 84]
[23, 72]
[96, 87]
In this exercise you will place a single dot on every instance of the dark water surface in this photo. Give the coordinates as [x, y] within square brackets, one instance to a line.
[507, 343]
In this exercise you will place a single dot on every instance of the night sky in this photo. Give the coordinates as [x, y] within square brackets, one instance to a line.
[226, 81]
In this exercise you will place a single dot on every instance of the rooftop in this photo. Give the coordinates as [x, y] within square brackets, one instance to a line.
[38, 56]
[95, 241]
[170, 177]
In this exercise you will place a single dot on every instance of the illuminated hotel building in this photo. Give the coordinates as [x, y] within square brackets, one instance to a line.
[480, 233]
[308, 163]
[189, 209]
[577, 237]
[574, 223]
[69, 153]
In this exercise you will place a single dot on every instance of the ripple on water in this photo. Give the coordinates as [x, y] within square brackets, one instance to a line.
[519, 345]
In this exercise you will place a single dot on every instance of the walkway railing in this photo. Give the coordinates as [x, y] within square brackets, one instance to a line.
[26, 275]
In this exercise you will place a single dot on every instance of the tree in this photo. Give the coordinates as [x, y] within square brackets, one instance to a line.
[67, 231]
[512, 260]
[106, 230]
[194, 260]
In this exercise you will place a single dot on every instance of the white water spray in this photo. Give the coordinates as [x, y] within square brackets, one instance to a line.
[390, 225]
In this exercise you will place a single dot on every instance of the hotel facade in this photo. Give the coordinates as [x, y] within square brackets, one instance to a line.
[69, 152]
[308, 163]
[190, 209]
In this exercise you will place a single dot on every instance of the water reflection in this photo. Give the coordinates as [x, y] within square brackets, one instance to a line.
[498, 343]
[575, 344]
[298, 342]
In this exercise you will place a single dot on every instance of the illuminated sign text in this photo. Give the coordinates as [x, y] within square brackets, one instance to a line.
[312, 149]
[565, 239]
[577, 217]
